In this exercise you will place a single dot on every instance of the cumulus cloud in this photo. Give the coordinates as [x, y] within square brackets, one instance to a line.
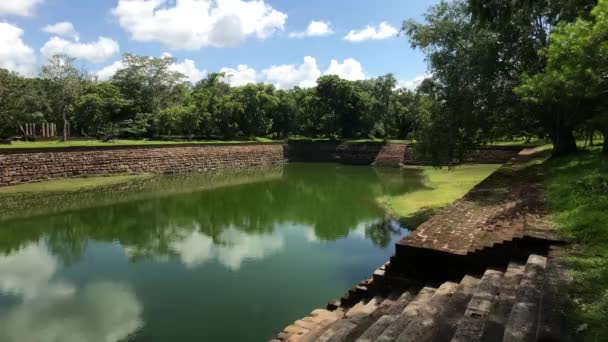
[240, 76]
[18, 7]
[27, 273]
[15, 55]
[233, 249]
[45, 309]
[350, 69]
[314, 29]
[413, 83]
[188, 68]
[95, 52]
[193, 24]
[99, 312]
[108, 71]
[290, 75]
[64, 28]
[382, 31]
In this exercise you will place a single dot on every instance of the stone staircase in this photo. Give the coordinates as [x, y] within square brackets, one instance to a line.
[519, 303]
[391, 155]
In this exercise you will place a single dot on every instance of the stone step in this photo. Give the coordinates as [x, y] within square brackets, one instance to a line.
[411, 310]
[553, 325]
[523, 320]
[473, 325]
[386, 317]
[438, 319]
[379, 321]
[324, 319]
[339, 330]
[363, 322]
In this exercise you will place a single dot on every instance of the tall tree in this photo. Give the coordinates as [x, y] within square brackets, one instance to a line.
[574, 84]
[149, 84]
[67, 85]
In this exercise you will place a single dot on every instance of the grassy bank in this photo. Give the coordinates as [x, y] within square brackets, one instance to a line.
[577, 189]
[68, 184]
[444, 186]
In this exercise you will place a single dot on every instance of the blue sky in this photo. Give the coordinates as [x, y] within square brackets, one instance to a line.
[267, 38]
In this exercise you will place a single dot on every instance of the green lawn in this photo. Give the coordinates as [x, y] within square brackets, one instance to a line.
[577, 189]
[445, 186]
[86, 143]
[68, 184]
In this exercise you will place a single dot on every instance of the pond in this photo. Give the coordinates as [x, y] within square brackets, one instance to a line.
[231, 257]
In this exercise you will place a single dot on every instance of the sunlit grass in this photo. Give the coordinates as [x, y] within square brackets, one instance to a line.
[69, 184]
[444, 186]
[577, 189]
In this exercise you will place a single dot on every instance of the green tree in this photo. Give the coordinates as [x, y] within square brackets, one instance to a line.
[65, 88]
[574, 84]
[101, 104]
[149, 84]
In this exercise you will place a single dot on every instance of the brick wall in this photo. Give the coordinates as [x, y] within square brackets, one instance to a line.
[21, 166]
[17, 166]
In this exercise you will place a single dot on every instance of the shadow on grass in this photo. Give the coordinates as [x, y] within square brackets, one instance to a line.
[577, 191]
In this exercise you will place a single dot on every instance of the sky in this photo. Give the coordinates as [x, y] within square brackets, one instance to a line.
[284, 42]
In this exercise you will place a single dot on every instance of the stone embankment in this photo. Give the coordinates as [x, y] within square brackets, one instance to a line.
[29, 165]
[26, 166]
[483, 269]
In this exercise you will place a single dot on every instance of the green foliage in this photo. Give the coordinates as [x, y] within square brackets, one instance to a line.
[145, 99]
[574, 84]
[577, 189]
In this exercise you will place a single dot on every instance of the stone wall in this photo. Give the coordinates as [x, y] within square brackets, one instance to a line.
[28, 166]
[482, 155]
[17, 166]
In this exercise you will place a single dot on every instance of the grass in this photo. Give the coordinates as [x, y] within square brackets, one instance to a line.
[577, 190]
[68, 184]
[93, 143]
[444, 186]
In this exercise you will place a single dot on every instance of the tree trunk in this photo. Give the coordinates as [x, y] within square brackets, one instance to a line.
[563, 141]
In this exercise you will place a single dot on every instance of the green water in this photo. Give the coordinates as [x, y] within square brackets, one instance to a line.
[224, 257]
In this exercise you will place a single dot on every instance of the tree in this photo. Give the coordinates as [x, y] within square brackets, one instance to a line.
[383, 94]
[340, 107]
[100, 104]
[258, 102]
[67, 85]
[574, 84]
[149, 85]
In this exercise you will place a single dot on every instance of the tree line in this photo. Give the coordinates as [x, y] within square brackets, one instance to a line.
[146, 99]
[503, 68]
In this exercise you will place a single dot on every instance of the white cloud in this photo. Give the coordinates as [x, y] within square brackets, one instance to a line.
[18, 7]
[413, 83]
[193, 24]
[232, 249]
[27, 273]
[95, 52]
[188, 68]
[108, 71]
[99, 312]
[240, 76]
[314, 29]
[383, 31]
[64, 28]
[15, 55]
[350, 69]
[290, 75]
[50, 310]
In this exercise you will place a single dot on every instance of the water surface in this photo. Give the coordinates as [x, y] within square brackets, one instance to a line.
[223, 257]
